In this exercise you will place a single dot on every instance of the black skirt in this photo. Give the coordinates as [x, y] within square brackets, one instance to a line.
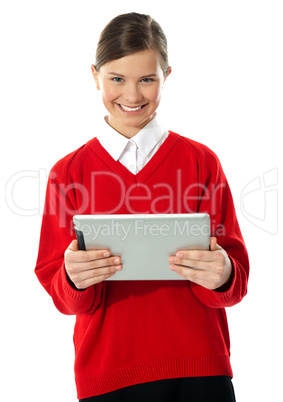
[193, 389]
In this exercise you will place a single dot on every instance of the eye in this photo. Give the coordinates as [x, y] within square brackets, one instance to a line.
[147, 80]
[117, 79]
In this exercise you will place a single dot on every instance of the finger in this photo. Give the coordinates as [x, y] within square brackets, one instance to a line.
[105, 270]
[93, 281]
[90, 255]
[99, 263]
[193, 255]
[195, 264]
[206, 283]
[189, 273]
[213, 243]
[84, 279]
[73, 246]
[210, 261]
[97, 272]
[203, 278]
[199, 254]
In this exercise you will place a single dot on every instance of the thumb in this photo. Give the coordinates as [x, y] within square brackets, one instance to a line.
[213, 244]
[74, 246]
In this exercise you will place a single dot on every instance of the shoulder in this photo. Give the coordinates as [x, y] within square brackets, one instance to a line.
[72, 161]
[201, 153]
[69, 160]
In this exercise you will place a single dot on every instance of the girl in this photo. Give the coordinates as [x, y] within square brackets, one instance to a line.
[142, 340]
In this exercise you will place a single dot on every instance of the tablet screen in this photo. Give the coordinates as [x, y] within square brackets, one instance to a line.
[144, 241]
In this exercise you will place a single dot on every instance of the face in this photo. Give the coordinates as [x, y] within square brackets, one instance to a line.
[131, 90]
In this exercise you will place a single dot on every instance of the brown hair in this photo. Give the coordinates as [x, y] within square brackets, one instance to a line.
[130, 33]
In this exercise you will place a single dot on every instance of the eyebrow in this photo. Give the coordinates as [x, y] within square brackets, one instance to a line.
[123, 76]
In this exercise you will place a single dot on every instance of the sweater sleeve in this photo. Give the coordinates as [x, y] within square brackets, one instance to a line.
[56, 235]
[216, 199]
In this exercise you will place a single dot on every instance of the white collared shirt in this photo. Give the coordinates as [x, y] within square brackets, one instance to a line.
[133, 153]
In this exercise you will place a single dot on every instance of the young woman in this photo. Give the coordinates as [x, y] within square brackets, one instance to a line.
[142, 340]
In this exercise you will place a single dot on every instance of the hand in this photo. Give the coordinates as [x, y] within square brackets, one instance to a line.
[86, 268]
[210, 269]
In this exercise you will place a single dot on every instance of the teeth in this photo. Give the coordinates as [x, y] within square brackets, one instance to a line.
[130, 109]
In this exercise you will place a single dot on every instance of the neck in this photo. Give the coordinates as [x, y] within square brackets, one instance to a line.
[126, 131]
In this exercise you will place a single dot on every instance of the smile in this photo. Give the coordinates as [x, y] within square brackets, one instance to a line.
[131, 109]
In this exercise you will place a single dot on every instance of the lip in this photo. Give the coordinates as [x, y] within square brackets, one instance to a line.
[131, 113]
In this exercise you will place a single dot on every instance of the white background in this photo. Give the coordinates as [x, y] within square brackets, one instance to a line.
[225, 91]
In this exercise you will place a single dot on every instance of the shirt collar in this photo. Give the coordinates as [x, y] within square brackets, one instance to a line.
[146, 139]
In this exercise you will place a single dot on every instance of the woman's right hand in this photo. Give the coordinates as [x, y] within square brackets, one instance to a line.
[86, 268]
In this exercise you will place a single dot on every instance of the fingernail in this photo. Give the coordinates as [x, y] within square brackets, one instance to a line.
[118, 268]
[106, 254]
[117, 261]
[179, 254]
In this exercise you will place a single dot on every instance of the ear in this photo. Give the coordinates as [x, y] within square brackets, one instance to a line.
[95, 76]
[166, 75]
[169, 71]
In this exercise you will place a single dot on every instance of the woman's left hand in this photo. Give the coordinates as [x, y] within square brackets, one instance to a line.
[210, 269]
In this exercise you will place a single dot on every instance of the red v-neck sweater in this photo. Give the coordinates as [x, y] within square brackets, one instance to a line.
[129, 332]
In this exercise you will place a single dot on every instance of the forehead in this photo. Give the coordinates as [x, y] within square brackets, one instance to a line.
[136, 64]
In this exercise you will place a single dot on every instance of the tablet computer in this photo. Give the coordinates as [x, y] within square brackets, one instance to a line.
[143, 241]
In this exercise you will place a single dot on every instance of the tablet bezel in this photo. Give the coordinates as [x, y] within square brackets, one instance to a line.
[144, 250]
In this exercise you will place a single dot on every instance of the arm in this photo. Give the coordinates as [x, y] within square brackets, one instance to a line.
[218, 277]
[65, 272]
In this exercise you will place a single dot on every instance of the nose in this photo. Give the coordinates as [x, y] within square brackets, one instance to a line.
[132, 93]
